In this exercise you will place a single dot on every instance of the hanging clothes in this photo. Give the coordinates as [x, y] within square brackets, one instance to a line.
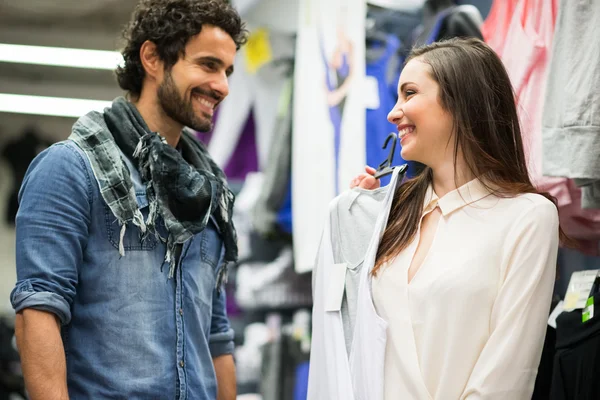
[19, 153]
[337, 27]
[523, 43]
[252, 92]
[497, 24]
[453, 21]
[399, 23]
[272, 211]
[272, 284]
[383, 67]
[335, 373]
[244, 159]
[577, 359]
[571, 120]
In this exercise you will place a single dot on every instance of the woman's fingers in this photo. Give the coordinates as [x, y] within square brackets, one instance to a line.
[369, 183]
[366, 180]
[370, 170]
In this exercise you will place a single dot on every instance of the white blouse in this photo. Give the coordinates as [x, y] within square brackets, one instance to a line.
[472, 321]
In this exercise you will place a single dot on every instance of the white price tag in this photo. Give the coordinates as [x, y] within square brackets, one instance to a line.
[371, 92]
[579, 289]
[335, 287]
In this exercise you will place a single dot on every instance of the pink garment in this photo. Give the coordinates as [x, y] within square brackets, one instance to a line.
[496, 25]
[521, 32]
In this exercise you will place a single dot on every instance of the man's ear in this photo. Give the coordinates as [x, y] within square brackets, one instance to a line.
[151, 61]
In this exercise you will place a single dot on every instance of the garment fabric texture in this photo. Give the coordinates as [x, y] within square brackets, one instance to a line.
[353, 220]
[186, 188]
[500, 251]
[577, 358]
[571, 116]
[129, 332]
[543, 381]
[335, 374]
[522, 33]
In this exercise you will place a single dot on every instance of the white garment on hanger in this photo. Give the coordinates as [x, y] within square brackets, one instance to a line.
[313, 154]
[334, 375]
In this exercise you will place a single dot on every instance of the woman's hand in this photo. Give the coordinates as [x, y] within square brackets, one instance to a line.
[366, 180]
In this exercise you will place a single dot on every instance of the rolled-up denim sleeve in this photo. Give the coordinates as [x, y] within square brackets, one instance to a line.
[221, 334]
[51, 231]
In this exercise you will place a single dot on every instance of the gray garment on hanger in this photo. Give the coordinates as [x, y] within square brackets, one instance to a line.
[279, 164]
[354, 221]
[571, 118]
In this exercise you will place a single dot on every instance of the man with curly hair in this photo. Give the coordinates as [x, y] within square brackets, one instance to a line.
[124, 230]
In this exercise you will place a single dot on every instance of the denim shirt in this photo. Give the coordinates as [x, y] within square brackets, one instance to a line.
[129, 332]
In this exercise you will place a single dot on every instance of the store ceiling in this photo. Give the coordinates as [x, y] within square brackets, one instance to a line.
[104, 15]
[85, 24]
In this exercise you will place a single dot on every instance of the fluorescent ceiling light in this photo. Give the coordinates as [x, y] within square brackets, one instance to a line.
[60, 56]
[54, 106]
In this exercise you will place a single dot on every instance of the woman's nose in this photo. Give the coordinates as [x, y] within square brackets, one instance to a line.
[395, 116]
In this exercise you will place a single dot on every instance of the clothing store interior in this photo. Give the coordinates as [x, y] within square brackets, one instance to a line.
[306, 112]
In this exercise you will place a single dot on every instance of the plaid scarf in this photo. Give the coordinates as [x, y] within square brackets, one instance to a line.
[184, 187]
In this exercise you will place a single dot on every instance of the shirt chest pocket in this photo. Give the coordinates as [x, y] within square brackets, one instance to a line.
[132, 241]
[211, 245]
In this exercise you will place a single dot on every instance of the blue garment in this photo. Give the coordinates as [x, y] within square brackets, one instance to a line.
[378, 127]
[301, 386]
[284, 215]
[129, 332]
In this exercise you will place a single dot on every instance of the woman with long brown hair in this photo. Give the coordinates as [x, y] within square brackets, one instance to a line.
[465, 268]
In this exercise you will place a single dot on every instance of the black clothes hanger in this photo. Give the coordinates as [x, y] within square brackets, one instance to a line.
[386, 168]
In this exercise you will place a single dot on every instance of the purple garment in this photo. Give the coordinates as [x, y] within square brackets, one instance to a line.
[245, 157]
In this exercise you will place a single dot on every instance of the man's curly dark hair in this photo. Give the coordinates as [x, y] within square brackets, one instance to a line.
[169, 24]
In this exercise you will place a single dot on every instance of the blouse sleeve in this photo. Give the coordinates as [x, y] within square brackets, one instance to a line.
[507, 366]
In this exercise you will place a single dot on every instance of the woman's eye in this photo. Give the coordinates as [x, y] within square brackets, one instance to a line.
[408, 93]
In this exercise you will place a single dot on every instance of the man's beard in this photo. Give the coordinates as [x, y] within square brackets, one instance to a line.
[180, 110]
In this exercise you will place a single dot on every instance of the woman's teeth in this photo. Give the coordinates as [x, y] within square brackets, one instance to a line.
[405, 131]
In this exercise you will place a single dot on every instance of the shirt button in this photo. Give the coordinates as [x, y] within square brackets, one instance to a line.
[181, 363]
[181, 311]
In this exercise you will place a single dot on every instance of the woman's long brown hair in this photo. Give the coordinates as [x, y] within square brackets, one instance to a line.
[476, 90]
